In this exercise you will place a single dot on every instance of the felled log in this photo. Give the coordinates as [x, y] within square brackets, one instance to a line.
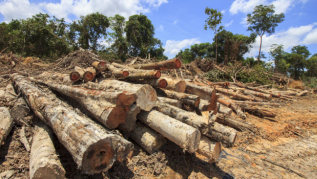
[77, 74]
[203, 92]
[252, 103]
[145, 94]
[109, 108]
[90, 74]
[144, 74]
[173, 102]
[117, 72]
[163, 65]
[44, 162]
[8, 95]
[224, 102]
[19, 111]
[188, 99]
[177, 85]
[258, 112]
[225, 110]
[210, 150]
[303, 93]
[130, 121]
[57, 77]
[93, 148]
[148, 139]
[238, 111]
[258, 94]
[6, 124]
[257, 89]
[181, 134]
[235, 95]
[234, 123]
[205, 105]
[99, 65]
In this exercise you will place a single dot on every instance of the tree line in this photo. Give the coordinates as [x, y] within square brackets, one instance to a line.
[49, 37]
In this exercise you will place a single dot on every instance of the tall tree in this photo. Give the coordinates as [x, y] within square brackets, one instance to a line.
[90, 29]
[263, 20]
[120, 45]
[279, 56]
[311, 66]
[297, 60]
[212, 22]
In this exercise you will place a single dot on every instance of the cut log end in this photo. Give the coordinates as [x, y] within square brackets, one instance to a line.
[98, 157]
[146, 97]
[88, 76]
[157, 74]
[125, 99]
[217, 150]
[125, 74]
[177, 63]
[74, 76]
[116, 117]
[162, 83]
[180, 86]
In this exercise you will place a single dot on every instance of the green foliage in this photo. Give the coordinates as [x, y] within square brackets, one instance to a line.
[264, 20]
[310, 82]
[259, 73]
[186, 56]
[311, 66]
[216, 75]
[120, 45]
[279, 55]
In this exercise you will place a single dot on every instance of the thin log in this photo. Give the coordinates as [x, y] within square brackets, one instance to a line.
[173, 102]
[238, 111]
[77, 74]
[181, 134]
[224, 102]
[145, 94]
[144, 74]
[252, 103]
[23, 139]
[258, 94]
[109, 108]
[90, 74]
[156, 83]
[163, 65]
[203, 92]
[257, 89]
[258, 112]
[188, 99]
[303, 93]
[234, 123]
[6, 124]
[148, 139]
[177, 85]
[225, 110]
[236, 95]
[131, 119]
[44, 162]
[93, 148]
[210, 150]
[117, 72]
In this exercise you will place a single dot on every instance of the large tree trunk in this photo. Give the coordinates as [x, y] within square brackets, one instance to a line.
[93, 148]
[44, 162]
[203, 92]
[117, 72]
[173, 102]
[57, 77]
[109, 108]
[90, 74]
[144, 74]
[259, 56]
[6, 124]
[148, 139]
[210, 150]
[77, 74]
[163, 65]
[146, 95]
[177, 85]
[188, 99]
[181, 134]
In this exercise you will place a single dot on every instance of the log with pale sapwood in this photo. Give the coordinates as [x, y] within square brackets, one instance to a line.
[185, 98]
[174, 84]
[6, 124]
[77, 74]
[163, 65]
[210, 150]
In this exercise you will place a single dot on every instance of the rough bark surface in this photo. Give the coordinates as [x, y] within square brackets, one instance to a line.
[173, 102]
[188, 99]
[177, 85]
[93, 148]
[181, 134]
[6, 124]
[44, 162]
[203, 92]
[148, 139]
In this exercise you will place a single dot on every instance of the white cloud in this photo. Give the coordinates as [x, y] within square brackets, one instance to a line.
[17, 9]
[161, 28]
[247, 6]
[172, 47]
[293, 36]
[229, 23]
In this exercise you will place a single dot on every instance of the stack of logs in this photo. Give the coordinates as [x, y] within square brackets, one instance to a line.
[140, 103]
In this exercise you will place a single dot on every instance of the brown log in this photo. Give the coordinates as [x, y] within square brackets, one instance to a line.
[163, 65]
[210, 150]
[6, 124]
[177, 85]
[55, 76]
[258, 94]
[234, 123]
[258, 112]
[224, 102]
[117, 72]
[225, 110]
[109, 108]
[90, 74]
[252, 103]
[144, 74]
[181, 134]
[99, 65]
[173, 102]
[93, 148]
[77, 74]
[44, 162]
[205, 105]
[203, 92]
[145, 95]
[130, 121]
[236, 95]
[19, 111]
[148, 139]
[238, 111]
[188, 99]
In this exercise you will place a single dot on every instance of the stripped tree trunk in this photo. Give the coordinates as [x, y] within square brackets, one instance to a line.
[181, 134]
[145, 95]
[163, 65]
[117, 72]
[148, 139]
[57, 77]
[6, 124]
[188, 99]
[209, 149]
[44, 162]
[175, 84]
[93, 148]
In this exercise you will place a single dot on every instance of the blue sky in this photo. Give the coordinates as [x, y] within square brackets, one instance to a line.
[179, 23]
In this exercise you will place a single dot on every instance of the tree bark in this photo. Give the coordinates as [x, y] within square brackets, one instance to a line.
[163, 65]
[173, 102]
[205, 105]
[225, 110]
[109, 108]
[258, 112]
[44, 162]
[6, 124]
[93, 148]
[99, 65]
[77, 74]
[181, 134]
[145, 95]
[117, 72]
[19, 111]
[234, 123]
[188, 99]
[55, 76]
[210, 150]
[259, 56]
[144, 74]
[131, 119]
[148, 139]
[203, 92]
[175, 84]
[261, 95]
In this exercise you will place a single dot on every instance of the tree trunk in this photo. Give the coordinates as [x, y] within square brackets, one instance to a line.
[188, 99]
[205, 105]
[109, 108]
[203, 92]
[90, 74]
[175, 84]
[77, 74]
[163, 65]
[173, 102]
[216, 46]
[258, 112]
[6, 124]
[210, 150]
[57, 77]
[148, 139]
[225, 110]
[235, 95]
[117, 72]
[99, 65]
[93, 148]
[44, 162]
[261, 95]
[259, 56]
[234, 123]
[144, 74]
[131, 119]
[145, 95]
[19, 111]
[181, 134]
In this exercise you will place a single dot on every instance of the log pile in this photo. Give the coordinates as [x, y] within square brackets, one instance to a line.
[121, 103]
